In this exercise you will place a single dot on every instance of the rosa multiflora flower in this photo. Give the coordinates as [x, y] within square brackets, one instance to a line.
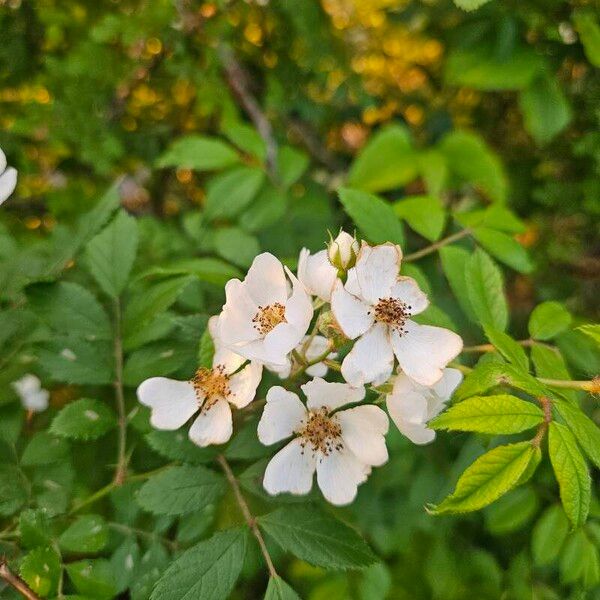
[8, 178]
[375, 307]
[263, 319]
[31, 393]
[210, 392]
[311, 348]
[412, 405]
[340, 445]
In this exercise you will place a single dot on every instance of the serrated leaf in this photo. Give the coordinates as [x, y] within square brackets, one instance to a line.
[230, 192]
[158, 359]
[501, 414]
[549, 535]
[209, 570]
[584, 429]
[592, 331]
[93, 578]
[278, 589]
[124, 563]
[110, 255]
[13, 490]
[488, 478]
[374, 217]
[209, 269]
[317, 538]
[548, 320]
[424, 214]
[87, 534]
[454, 262]
[505, 248]
[176, 445]
[198, 152]
[34, 528]
[181, 490]
[44, 449]
[485, 288]
[84, 419]
[550, 364]
[508, 348]
[571, 473]
[236, 246]
[511, 512]
[40, 569]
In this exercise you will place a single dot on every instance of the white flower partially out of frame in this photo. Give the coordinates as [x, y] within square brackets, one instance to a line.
[412, 405]
[31, 393]
[8, 178]
[317, 345]
[263, 319]
[210, 391]
[376, 305]
[316, 273]
[340, 446]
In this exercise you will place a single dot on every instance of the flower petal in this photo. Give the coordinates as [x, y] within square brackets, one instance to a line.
[445, 387]
[213, 425]
[265, 281]
[363, 429]
[8, 183]
[243, 385]
[423, 351]
[235, 327]
[409, 409]
[298, 307]
[408, 290]
[316, 273]
[172, 402]
[377, 270]
[339, 474]
[352, 314]
[320, 393]
[290, 470]
[223, 356]
[371, 359]
[283, 414]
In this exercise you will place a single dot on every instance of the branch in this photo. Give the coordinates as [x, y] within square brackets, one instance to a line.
[121, 469]
[250, 520]
[435, 247]
[492, 348]
[16, 582]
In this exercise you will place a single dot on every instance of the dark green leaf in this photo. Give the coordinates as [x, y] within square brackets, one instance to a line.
[549, 535]
[85, 419]
[44, 449]
[40, 569]
[278, 589]
[85, 535]
[198, 152]
[230, 192]
[93, 578]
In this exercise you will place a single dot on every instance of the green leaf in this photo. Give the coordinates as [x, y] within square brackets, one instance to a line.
[85, 535]
[586, 24]
[470, 5]
[508, 348]
[209, 570]
[206, 350]
[246, 138]
[110, 255]
[511, 512]
[13, 490]
[425, 214]
[278, 589]
[505, 248]
[489, 477]
[490, 414]
[181, 490]
[387, 161]
[124, 563]
[485, 289]
[44, 449]
[84, 419]
[200, 153]
[93, 578]
[434, 170]
[592, 331]
[547, 320]
[496, 216]
[230, 192]
[546, 110]
[454, 262]
[571, 473]
[291, 164]
[176, 445]
[40, 569]
[470, 159]
[550, 364]
[34, 528]
[549, 535]
[209, 269]
[156, 360]
[317, 538]
[236, 246]
[374, 217]
[266, 209]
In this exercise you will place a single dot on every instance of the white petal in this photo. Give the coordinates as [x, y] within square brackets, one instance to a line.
[316, 273]
[36, 401]
[371, 358]
[363, 429]
[212, 426]
[377, 270]
[408, 409]
[265, 280]
[279, 342]
[223, 356]
[298, 307]
[172, 402]
[317, 370]
[408, 290]
[28, 384]
[8, 183]
[445, 387]
[290, 470]
[243, 384]
[339, 474]
[320, 393]
[2, 161]
[282, 416]
[352, 314]
[235, 326]
[418, 434]
[423, 351]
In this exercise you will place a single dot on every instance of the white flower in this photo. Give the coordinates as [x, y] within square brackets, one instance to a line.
[412, 405]
[8, 179]
[340, 446]
[342, 251]
[210, 391]
[375, 306]
[33, 396]
[317, 346]
[316, 273]
[261, 319]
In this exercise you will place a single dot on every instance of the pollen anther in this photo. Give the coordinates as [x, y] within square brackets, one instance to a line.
[268, 317]
[211, 385]
[321, 432]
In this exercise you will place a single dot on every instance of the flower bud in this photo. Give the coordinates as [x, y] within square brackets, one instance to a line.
[342, 251]
[328, 327]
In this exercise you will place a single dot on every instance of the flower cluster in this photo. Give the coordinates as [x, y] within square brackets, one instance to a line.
[365, 312]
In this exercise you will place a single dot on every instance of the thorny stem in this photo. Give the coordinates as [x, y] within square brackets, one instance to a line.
[16, 582]
[434, 247]
[546, 405]
[250, 520]
[121, 468]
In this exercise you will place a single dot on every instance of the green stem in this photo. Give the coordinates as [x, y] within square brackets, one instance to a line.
[435, 247]
[121, 468]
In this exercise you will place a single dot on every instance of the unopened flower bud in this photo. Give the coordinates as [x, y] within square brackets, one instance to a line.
[328, 326]
[342, 251]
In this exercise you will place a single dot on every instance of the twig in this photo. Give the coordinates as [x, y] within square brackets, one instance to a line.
[492, 348]
[121, 469]
[250, 520]
[16, 582]
[592, 386]
[434, 247]
[546, 405]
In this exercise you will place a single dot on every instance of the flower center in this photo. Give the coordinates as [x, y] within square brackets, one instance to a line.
[268, 317]
[321, 432]
[392, 312]
[211, 385]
